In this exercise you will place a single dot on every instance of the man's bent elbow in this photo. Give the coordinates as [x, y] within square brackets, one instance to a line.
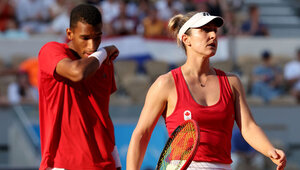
[76, 75]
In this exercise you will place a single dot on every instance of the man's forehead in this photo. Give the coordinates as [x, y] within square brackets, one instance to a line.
[85, 27]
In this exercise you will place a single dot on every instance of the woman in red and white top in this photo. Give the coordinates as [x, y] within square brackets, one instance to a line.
[198, 91]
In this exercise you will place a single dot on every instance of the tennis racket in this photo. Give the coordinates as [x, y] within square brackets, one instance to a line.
[180, 148]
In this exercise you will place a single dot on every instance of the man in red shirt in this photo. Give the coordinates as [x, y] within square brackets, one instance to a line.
[75, 84]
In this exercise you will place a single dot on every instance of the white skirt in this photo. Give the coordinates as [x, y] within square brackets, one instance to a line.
[208, 166]
[200, 165]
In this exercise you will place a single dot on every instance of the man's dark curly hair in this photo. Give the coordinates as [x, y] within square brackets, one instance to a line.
[85, 13]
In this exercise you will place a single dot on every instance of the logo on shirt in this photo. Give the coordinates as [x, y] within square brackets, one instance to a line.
[187, 115]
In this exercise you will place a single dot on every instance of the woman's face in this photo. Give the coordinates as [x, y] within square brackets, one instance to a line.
[203, 40]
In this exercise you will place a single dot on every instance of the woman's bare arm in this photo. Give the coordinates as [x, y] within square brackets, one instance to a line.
[154, 106]
[251, 132]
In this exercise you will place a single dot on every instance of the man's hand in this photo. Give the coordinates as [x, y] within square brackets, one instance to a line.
[112, 53]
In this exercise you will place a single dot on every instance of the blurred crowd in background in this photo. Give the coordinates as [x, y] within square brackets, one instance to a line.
[123, 17]
[147, 18]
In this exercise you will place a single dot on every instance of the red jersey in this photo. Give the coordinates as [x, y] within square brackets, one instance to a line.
[215, 122]
[76, 129]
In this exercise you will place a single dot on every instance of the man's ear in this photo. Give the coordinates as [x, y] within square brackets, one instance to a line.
[186, 40]
[69, 34]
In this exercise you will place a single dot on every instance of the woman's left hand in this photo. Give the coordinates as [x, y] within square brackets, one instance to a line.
[278, 157]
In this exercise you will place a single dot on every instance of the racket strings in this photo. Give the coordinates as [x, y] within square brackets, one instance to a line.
[183, 143]
[180, 148]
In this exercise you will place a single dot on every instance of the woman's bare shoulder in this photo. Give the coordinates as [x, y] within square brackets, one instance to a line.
[233, 78]
[165, 81]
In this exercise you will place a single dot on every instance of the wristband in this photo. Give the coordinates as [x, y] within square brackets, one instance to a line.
[100, 55]
[116, 157]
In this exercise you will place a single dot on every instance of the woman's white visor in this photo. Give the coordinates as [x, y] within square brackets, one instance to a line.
[198, 20]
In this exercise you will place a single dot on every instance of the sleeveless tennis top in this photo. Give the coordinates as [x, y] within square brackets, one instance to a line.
[215, 121]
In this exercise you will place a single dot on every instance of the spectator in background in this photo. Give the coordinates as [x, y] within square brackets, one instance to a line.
[30, 66]
[168, 8]
[7, 14]
[8, 24]
[59, 25]
[57, 7]
[267, 79]
[24, 89]
[215, 7]
[123, 24]
[110, 10]
[13, 32]
[131, 8]
[236, 5]
[142, 9]
[253, 26]
[21, 91]
[292, 75]
[230, 27]
[60, 12]
[153, 25]
[33, 15]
